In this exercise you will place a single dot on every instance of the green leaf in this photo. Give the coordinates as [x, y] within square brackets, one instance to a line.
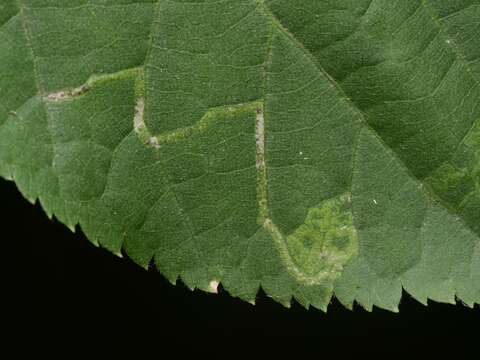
[308, 147]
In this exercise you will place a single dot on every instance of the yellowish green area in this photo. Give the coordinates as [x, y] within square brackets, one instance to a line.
[459, 178]
[140, 84]
[451, 183]
[211, 117]
[473, 143]
[327, 240]
[96, 80]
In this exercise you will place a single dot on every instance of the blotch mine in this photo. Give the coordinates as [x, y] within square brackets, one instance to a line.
[327, 240]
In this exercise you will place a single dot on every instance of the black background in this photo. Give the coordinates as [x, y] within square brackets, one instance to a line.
[58, 278]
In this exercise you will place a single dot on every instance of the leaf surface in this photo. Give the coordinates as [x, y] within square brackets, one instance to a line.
[308, 147]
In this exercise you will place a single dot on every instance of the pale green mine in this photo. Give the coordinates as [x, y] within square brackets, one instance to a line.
[326, 241]
[312, 148]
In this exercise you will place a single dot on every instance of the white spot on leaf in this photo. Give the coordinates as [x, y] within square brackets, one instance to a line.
[139, 110]
[213, 286]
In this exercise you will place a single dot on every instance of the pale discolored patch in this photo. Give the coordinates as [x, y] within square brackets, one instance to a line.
[457, 181]
[67, 94]
[327, 239]
[138, 122]
[213, 286]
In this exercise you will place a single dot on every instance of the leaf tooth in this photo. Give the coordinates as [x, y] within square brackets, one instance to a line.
[213, 287]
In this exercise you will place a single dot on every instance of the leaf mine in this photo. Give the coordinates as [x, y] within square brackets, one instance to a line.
[309, 148]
